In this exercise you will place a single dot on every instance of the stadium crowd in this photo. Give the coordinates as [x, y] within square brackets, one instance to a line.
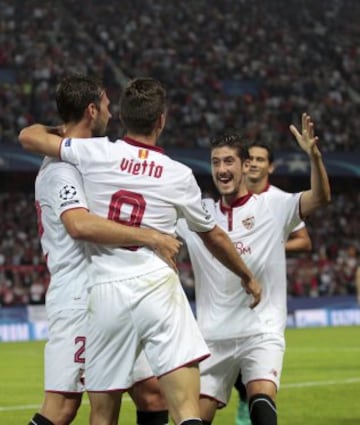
[245, 64]
[328, 270]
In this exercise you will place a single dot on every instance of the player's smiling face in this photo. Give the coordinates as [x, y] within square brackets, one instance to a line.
[227, 170]
[259, 165]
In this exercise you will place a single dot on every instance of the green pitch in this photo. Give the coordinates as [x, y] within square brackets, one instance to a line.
[320, 381]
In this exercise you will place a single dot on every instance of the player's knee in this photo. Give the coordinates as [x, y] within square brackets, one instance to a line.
[262, 410]
[67, 415]
[62, 415]
[148, 398]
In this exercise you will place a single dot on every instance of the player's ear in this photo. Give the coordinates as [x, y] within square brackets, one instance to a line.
[246, 166]
[121, 121]
[160, 124]
[162, 121]
[271, 168]
[92, 110]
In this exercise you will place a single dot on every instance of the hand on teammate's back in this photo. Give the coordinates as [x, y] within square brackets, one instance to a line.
[253, 287]
[167, 247]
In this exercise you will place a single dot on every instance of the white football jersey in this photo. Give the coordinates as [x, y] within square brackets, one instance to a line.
[271, 188]
[58, 188]
[259, 226]
[137, 185]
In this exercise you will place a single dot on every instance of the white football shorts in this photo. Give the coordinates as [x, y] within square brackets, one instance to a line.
[141, 370]
[148, 312]
[65, 352]
[258, 357]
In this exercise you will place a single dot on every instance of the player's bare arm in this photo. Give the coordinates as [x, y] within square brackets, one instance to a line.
[83, 225]
[220, 245]
[319, 194]
[299, 240]
[41, 139]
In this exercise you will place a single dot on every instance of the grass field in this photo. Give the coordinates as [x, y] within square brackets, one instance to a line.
[320, 381]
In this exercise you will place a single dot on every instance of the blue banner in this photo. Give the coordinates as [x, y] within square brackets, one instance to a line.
[340, 164]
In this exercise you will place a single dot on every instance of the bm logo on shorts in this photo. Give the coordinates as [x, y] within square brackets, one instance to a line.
[249, 222]
[67, 192]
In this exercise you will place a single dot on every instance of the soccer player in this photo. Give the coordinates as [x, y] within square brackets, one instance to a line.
[64, 224]
[261, 166]
[135, 299]
[239, 338]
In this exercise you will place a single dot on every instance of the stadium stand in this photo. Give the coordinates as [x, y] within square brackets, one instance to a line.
[247, 64]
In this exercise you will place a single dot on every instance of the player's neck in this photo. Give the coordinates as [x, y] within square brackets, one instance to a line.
[147, 140]
[77, 130]
[228, 200]
[257, 186]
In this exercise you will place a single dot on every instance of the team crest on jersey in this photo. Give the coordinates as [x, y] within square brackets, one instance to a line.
[249, 222]
[143, 153]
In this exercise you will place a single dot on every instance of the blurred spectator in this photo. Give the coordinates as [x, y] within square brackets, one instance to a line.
[332, 268]
[21, 261]
[252, 65]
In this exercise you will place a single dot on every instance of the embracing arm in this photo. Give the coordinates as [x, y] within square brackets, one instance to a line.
[320, 194]
[221, 247]
[83, 225]
[40, 139]
[299, 240]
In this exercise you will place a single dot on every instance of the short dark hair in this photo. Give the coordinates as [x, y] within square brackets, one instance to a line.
[74, 93]
[231, 139]
[263, 146]
[142, 103]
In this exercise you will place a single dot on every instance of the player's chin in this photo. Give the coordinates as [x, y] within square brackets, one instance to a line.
[225, 188]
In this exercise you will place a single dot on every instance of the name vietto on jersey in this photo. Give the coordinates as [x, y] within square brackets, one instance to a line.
[138, 185]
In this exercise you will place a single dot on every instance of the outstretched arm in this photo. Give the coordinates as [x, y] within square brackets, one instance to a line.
[41, 139]
[221, 247]
[319, 194]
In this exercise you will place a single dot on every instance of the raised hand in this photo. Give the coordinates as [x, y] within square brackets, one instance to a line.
[306, 139]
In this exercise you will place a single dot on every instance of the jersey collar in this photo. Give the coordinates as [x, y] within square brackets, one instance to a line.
[141, 145]
[237, 203]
